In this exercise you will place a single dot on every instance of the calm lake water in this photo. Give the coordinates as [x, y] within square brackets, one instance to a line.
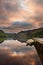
[13, 52]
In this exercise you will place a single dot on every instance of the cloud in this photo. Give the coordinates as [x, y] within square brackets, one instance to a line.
[18, 26]
[39, 2]
[30, 11]
[10, 5]
[37, 20]
[21, 24]
[3, 17]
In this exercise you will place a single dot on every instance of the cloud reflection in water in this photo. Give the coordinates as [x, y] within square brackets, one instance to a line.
[16, 53]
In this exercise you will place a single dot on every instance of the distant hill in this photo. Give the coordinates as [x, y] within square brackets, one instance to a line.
[1, 31]
[2, 34]
[24, 35]
[38, 33]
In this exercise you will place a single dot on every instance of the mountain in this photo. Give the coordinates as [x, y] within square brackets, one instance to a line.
[23, 36]
[2, 36]
[1, 33]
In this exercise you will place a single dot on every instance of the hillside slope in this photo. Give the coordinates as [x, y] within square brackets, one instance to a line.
[24, 35]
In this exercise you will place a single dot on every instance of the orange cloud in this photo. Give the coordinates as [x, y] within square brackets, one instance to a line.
[21, 10]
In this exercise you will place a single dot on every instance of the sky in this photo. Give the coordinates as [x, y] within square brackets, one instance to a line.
[17, 15]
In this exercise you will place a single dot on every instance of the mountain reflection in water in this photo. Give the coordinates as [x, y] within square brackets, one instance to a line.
[13, 52]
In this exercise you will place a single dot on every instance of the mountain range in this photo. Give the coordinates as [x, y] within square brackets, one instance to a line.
[23, 36]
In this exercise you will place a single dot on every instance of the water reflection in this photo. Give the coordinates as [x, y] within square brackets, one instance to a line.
[13, 52]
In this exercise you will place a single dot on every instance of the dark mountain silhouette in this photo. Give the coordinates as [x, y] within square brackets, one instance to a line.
[2, 35]
[1, 31]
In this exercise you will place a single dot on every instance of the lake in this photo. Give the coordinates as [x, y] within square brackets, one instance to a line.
[13, 52]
